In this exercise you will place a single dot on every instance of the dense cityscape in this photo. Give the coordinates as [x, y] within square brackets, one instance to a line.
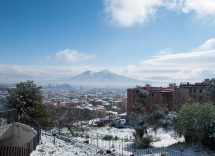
[107, 78]
[107, 117]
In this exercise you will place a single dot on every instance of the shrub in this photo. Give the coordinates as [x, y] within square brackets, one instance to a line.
[163, 154]
[143, 142]
[149, 152]
[108, 137]
[116, 138]
[196, 123]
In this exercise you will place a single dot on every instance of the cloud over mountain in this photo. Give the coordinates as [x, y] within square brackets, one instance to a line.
[171, 66]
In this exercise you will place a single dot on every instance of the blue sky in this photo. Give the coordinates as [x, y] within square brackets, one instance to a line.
[143, 39]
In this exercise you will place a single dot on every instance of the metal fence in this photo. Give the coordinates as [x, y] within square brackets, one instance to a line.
[13, 151]
[158, 151]
[125, 146]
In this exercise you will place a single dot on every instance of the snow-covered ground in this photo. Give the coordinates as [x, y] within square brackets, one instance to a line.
[192, 150]
[61, 148]
[163, 138]
[125, 139]
[121, 145]
[124, 133]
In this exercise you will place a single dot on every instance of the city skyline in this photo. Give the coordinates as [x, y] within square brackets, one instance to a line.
[160, 40]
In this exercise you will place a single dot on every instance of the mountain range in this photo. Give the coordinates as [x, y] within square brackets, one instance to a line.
[102, 78]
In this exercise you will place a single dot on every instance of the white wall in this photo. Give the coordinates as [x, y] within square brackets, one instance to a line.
[17, 135]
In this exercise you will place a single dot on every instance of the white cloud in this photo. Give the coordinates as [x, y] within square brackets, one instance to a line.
[185, 65]
[129, 12]
[208, 45]
[72, 56]
[203, 8]
[194, 65]
[183, 59]
[48, 74]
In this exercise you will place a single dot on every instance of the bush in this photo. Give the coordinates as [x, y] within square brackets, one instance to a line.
[143, 142]
[163, 154]
[116, 138]
[75, 134]
[108, 137]
[196, 123]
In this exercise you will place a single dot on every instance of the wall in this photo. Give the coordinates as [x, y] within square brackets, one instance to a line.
[17, 135]
[130, 100]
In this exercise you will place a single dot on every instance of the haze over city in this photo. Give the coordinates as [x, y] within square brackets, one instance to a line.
[150, 40]
[107, 77]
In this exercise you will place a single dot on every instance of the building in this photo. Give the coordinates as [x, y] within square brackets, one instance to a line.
[170, 97]
[151, 96]
[198, 92]
[136, 96]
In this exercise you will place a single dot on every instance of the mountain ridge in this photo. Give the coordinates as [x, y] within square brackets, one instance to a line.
[103, 77]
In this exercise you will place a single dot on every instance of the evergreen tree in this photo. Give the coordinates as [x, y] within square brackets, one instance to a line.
[196, 123]
[211, 90]
[27, 98]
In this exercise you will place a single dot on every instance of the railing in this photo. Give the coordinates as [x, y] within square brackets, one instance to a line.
[161, 151]
[125, 146]
[85, 144]
[119, 147]
[13, 151]
[11, 116]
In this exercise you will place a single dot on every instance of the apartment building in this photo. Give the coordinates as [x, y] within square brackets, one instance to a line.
[151, 96]
[170, 97]
[197, 91]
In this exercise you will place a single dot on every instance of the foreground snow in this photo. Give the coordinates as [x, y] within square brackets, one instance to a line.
[124, 133]
[61, 148]
[192, 150]
[122, 145]
[163, 138]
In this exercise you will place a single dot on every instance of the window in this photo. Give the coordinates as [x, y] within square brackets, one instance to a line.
[194, 90]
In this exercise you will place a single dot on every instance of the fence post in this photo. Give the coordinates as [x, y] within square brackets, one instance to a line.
[97, 140]
[109, 144]
[54, 135]
[122, 146]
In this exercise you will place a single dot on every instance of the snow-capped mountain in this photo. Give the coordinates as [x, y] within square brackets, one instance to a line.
[103, 78]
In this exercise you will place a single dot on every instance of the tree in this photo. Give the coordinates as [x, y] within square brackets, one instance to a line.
[211, 90]
[196, 122]
[141, 137]
[26, 98]
[71, 118]
[57, 116]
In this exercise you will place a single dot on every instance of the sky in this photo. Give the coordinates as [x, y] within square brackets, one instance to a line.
[161, 40]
